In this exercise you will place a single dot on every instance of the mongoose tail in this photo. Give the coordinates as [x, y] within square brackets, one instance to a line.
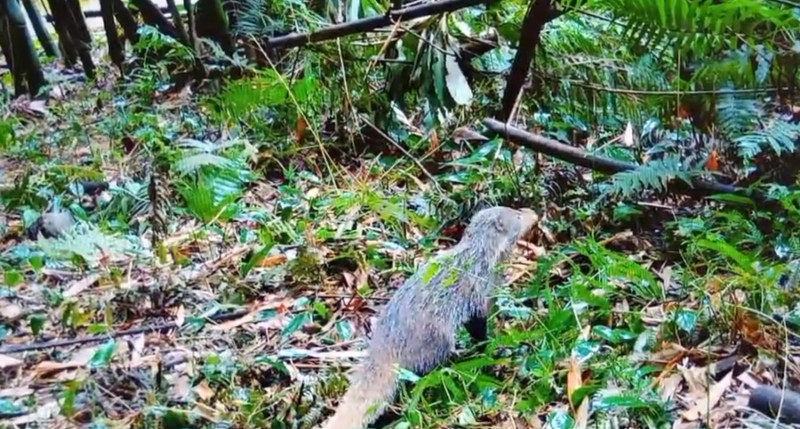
[372, 386]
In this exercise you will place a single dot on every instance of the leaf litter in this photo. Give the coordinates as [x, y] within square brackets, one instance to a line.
[299, 312]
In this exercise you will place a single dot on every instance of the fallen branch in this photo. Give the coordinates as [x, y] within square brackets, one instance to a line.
[18, 348]
[363, 25]
[598, 163]
[774, 402]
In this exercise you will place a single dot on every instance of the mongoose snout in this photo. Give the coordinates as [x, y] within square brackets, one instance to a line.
[417, 328]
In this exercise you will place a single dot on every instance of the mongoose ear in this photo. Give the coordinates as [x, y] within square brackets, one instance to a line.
[500, 224]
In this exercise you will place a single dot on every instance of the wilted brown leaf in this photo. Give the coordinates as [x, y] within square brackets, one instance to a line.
[707, 400]
[9, 362]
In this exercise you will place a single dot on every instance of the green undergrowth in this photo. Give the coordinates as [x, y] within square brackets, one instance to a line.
[273, 195]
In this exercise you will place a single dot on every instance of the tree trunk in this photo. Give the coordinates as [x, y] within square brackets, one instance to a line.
[27, 70]
[115, 48]
[8, 52]
[540, 12]
[192, 32]
[212, 22]
[153, 16]
[176, 21]
[126, 21]
[69, 52]
[80, 33]
[38, 26]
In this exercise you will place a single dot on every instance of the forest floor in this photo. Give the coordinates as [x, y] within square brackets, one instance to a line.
[259, 297]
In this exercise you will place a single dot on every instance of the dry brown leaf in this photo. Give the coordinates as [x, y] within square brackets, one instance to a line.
[181, 387]
[274, 260]
[180, 316]
[574, 379]
[582, 415]
[204, 391]
[668, 353]
[9, 311]
[748, 379]
[206, 412]
[707, 402]
[81, 285]
[249, 317]
[9, 362]
[313, 193]
[668, 386]
[463, 134]
[48, 367]
[15, 392]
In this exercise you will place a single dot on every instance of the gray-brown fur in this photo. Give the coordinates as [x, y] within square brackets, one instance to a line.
[417, 328]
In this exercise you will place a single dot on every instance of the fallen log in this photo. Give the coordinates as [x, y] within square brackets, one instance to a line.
[582, 158]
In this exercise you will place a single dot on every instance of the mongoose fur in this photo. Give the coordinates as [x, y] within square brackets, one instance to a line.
[417, 328]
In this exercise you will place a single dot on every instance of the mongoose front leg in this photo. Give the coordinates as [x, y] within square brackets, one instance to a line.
[478, 328]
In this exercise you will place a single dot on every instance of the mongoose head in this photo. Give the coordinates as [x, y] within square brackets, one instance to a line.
[497, 229]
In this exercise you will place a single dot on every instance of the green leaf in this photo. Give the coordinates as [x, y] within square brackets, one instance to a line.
[277, 364]
[560, 419]
[457, 84]
[296, 323]
[686, 320]
[8, 407]
[102, 357]
[13, 278]
[744, 261]
[36, 323]
[98, 328]
[37, 262]
[466, 416]
[345, 329]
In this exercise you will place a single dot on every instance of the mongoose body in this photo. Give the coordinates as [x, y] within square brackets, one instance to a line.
[417, 328]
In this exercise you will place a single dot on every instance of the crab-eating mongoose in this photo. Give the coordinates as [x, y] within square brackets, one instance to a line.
[417, 328]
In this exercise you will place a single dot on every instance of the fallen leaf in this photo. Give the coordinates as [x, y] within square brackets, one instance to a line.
[462, 134]
[300, 129]
[9, 362]
[574, 379]
[180, 388]
[434, 147]
[707, 402]
[205, 411]
[582, 415]
[667, 386]
[15, 392]
[48, 367]
[9, 311]
[274, 260]
[180, 316]
[712, 164]
[249, 317]
[204, 391]
[81, 285]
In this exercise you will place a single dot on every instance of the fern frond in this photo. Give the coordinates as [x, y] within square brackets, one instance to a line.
[700, 25]
[651, 176]
[752, 129]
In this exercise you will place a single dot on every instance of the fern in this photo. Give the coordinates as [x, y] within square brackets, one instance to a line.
[264, 18]
[752, 130]
[88, 242]
[200, 154]
[701, 26]
[654, 175]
